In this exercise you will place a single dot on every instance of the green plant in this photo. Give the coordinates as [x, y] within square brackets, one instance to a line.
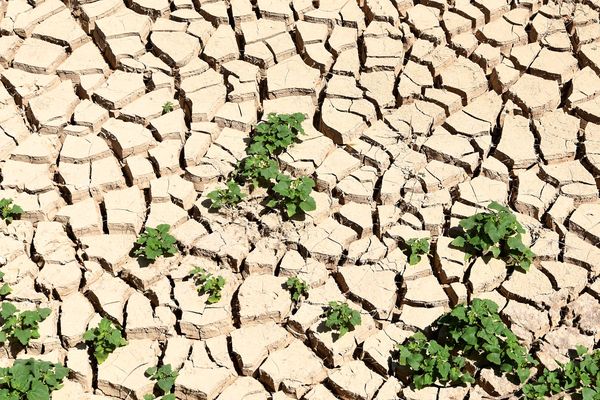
[156, 242]
[341, 318]
[31, 380]
[481, 334]
[104, 339]
[167, 107]
[416, 248]
[293, 195]
[229, 196]
[274, 135]
[297, 287]
[429, 362]
[497, 232]
[208, 284]
[5, 288]
[580, 377]
[259, 169]
[165, 380]
[23, 325]
[474, 332]
[9, 210]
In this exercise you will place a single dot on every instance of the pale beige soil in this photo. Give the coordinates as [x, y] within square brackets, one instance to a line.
[417, 116]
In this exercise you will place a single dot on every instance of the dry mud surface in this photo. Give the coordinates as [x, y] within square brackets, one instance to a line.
[418, 115]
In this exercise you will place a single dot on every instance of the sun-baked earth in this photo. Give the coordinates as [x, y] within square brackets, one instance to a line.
[417, 116]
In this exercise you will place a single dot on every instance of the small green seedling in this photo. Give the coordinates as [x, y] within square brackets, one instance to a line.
[156, 242]
[228, 197]
[273, 136]
[167, 107]
[496, 232]
[416, 248]
[208, 284]
[4, 288]
[104, 339]
[31, 379]
[297, 287]
[429, 362]
[165, 381]
[22, 326]
[9, 210]
[258, 169]
[341, 318]
[293, 195]
[579, 378]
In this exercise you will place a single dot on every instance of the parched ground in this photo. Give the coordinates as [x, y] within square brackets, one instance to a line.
[417, 116]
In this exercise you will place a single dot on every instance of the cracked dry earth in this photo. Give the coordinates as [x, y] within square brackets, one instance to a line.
[417, 116]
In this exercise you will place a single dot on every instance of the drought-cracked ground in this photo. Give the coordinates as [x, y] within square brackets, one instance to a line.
[417, 116]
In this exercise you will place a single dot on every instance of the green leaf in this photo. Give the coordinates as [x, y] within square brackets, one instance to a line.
[7, 310]
[588, 393]
[494, 358]
[514, 242]
[444, 370]
[38, 391]
[458, 242]
[495, 251]
[414, 361]
[290, 209]
[23, 335]
[494, 205]
[308, 205]
[469, 336]
[523, 374]
[166, 384]
[44, 313]
[5, 289]
[581, 350]
[414, 259]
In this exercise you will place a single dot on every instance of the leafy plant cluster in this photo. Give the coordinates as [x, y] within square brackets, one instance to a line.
[292, 195]
[474, 332]
[104, 339]
[31, 380]
[261, 169]
[207, 283]
[431, 362]
[580, 377]
[230, 195]
[22, 326]
[165, 381]
[156, 242]
[415, 249]
[276, 134]
[297, 287]
[9, 211]
[496, 232]
[341, 318]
